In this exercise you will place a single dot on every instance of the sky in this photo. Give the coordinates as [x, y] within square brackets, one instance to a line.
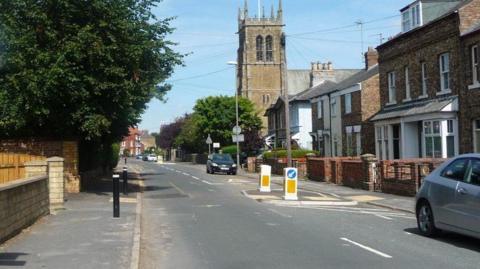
[317, 30]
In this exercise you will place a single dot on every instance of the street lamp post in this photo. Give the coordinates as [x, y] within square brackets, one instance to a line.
[286, 102]
[236, 115]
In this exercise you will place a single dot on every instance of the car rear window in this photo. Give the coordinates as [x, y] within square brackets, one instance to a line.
[222, 157]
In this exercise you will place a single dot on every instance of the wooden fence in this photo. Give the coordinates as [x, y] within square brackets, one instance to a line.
[12, 165]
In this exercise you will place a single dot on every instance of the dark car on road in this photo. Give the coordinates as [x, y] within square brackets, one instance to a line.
[221, 163]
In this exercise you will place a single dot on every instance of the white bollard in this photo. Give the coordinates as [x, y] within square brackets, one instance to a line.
[265, 178]
[290, 183]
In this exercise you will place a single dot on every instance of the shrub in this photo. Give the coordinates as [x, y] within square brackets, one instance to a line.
[298, 153]
[230, 149]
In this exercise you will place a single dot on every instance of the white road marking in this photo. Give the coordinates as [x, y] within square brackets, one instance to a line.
[335, 195]
[210, 190]
[178, 189]
[271, 224]
[279, 213]
[379, 253]
[194, 177]
[383, 217]
[186, 174]
[407, 233]
[209, 206]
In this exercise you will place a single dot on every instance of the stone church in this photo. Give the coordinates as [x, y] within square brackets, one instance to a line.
[261, 57]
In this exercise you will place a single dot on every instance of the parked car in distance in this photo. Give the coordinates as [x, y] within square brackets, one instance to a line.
[221, 163]
[152, 158]
[449, 198]
[138, 157]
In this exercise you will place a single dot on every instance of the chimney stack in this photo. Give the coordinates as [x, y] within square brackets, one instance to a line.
[371, 58]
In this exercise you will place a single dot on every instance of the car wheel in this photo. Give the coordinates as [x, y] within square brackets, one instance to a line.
[425, 220]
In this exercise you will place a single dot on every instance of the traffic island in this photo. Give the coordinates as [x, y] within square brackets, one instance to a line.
[305, 198]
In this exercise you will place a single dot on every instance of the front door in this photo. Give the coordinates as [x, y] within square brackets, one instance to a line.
[396, 141]
[468, 199]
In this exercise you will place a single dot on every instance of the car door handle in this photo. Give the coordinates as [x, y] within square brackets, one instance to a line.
[462, 191]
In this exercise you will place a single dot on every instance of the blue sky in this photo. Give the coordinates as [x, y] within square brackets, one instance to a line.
[207, 28]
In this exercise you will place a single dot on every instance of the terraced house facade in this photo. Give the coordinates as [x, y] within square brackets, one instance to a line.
[423, 91]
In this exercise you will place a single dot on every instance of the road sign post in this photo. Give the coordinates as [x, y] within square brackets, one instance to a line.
[290, 183]
[125, 180]
[209, 142]
[265, 178]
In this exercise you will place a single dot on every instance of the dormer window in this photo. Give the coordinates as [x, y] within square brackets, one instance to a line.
[412, 17]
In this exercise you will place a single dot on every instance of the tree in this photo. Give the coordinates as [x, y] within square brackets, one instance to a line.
[190, 137]
[169, 132]
[215, 115]
[83, 69]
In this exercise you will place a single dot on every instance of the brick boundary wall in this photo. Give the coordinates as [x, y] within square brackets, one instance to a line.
[22, 202]
[352, 173]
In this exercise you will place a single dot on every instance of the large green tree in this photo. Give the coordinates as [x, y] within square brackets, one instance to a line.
[83, 69]
[215, 115]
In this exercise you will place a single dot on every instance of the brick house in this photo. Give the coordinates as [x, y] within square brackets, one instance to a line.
[469, 115]
[300, 107]
[341, 112]
[421, 79]
[132, 143]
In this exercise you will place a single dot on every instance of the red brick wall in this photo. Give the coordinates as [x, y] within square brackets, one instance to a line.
[352, 173]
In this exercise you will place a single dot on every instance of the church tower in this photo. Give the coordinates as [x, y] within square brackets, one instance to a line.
[260, 55]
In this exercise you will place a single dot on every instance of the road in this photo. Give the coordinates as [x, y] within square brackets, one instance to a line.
[191, 219]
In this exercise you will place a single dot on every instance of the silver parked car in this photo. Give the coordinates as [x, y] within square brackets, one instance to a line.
[449, 198]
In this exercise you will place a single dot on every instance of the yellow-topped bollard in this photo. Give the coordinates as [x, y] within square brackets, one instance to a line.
[290, 183]
[265, 178]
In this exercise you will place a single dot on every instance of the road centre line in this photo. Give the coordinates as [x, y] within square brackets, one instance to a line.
[194, 177]
[379, 253]
[186, 174]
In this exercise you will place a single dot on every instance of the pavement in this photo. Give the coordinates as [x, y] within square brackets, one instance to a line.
[84, 235]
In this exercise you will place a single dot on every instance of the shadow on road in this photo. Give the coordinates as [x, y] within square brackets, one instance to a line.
[454, 239]
[11, 259]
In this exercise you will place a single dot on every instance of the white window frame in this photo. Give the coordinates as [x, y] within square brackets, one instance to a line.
[412, 17]
[382, 136]
[333, 107]
[348, 103]
[424, 80]
[407, 85]
[320, 109]
[444, 66]
[432, 135]
[476, 128]
[406, 20]
[475, 50]
[392, 91]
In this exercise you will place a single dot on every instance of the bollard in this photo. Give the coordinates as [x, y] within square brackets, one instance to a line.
[290, 183]
[116, 196]
[125, 160]
[125, 180]
[265, 178]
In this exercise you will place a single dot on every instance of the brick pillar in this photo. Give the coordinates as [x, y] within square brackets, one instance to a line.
[368, 162]
[35, 168]
[56, 182]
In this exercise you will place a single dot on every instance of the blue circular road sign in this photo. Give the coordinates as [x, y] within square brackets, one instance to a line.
[291, 173]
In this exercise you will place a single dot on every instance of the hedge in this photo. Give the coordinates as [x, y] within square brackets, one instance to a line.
[298, 153]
